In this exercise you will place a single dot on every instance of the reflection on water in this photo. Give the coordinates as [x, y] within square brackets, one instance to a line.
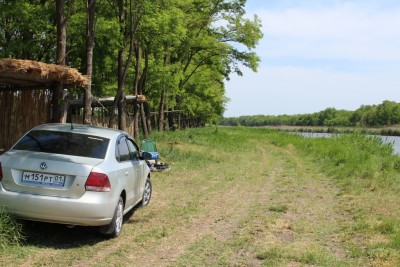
[394, 140]
[327, 135]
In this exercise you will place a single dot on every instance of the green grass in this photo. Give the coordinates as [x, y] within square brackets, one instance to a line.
[10, 231]
[278, 208]
[369, 177]
[349, 157]
[244, 197]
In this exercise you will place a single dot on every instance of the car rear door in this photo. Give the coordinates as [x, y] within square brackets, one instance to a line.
[140, 166]
[127, 171]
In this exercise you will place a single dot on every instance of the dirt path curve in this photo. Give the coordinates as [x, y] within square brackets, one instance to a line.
[309, 221]
[278, 209]
[266, 206]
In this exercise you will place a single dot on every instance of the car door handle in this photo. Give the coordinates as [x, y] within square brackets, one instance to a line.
[126, 172]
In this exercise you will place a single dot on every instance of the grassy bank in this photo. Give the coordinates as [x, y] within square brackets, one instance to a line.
[247, 197]
[369, 178]
[385, 131]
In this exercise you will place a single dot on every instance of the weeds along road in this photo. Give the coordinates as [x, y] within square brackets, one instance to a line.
[228, 200]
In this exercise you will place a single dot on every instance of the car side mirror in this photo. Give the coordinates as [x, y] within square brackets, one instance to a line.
[146, 156]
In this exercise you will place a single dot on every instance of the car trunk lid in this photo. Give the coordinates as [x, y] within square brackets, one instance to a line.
[45, 173]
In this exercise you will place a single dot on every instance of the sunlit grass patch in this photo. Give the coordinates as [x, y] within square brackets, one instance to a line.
[278, 208]
[10, 230]
[270, 256]
[205, 251]
[310, 255]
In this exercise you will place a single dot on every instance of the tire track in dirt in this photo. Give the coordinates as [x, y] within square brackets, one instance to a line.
[220, 220]
[311, 205]
[278, 176]
[313, 218]
[225, 212]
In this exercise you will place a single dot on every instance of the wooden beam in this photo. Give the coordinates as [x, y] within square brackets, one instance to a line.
[107, 101]
[23, 87]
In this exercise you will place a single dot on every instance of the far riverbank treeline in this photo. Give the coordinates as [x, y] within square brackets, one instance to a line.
[385, 114]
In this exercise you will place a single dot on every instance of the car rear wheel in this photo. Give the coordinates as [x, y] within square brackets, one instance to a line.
[113, 229]
[146, 193]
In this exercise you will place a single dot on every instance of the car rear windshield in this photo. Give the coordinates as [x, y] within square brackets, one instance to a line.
[65, 143]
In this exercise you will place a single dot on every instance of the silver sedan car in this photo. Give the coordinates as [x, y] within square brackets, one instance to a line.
[75, 175]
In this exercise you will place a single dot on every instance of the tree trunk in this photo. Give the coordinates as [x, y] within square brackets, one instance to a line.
[120, 91]
[60, 108]
[136, 89]
[122, 112]
[138, 85]
[171, 119]
[145, 109]
[87, 111]
[148, 116]
[123, 65]
[144, 120]
[163, 98]
[161, 110]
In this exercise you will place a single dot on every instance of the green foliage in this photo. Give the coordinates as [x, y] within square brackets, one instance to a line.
[181, 49]
[385, 114]
[27, 30]
[189, 57]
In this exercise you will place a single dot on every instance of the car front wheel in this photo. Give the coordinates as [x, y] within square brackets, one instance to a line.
[146, 193]
[113, 229]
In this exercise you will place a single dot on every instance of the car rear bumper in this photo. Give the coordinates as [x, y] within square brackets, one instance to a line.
[92, 209]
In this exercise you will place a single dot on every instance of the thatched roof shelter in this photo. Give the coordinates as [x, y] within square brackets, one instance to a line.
[27, 91]
[16, 74]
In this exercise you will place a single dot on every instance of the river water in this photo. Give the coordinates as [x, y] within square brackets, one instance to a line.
[394, 140]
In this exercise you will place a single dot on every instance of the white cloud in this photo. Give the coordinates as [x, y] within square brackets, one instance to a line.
[343, 31]
[320, 54]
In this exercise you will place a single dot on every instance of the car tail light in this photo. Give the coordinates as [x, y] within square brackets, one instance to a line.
[1, 173]
[98, 182]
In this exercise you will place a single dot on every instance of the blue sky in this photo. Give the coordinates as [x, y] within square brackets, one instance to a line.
[317, 54]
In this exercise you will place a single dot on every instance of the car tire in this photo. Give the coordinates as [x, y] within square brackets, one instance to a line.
[146, 193]
[113, 229]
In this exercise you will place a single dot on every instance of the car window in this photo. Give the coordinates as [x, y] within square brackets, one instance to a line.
[122, 150]
[65, 143]
[133, 149]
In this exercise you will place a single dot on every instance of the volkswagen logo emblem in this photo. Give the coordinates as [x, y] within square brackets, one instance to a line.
[43, 165]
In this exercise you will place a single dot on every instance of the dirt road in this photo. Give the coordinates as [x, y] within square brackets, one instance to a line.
[266, 206]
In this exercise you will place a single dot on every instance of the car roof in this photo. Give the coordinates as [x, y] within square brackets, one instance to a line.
[81, 129]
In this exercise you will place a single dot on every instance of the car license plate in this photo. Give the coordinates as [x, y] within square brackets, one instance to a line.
[43, 179]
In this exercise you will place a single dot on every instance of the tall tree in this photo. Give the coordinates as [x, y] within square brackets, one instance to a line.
[201, 47]
[127, 29]
[184, 50]
[60, 105]
[90, 31]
